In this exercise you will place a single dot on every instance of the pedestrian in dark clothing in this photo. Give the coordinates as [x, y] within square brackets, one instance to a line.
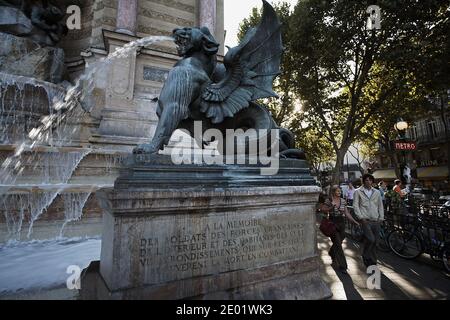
[336, 209]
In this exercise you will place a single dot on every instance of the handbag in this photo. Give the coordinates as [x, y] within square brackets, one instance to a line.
[327, 227]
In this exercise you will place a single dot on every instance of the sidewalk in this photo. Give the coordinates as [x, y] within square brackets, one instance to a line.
[402, 279]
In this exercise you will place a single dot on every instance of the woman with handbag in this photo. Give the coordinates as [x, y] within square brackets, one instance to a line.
[336, 209]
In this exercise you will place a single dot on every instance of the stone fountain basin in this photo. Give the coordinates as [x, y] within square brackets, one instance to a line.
[97, 169]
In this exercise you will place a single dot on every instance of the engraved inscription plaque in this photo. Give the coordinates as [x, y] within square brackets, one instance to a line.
[197, 245]
[155, 74]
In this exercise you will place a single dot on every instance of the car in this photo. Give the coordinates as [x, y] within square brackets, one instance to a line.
[422, 194]
[445, 208]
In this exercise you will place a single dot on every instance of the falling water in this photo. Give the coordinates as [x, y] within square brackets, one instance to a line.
[14, 207]
[54, 169]
[62, 174]
[73, 207]
[22, 102]
[112, 161]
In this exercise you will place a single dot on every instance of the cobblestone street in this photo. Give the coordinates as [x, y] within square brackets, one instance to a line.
[402, 279]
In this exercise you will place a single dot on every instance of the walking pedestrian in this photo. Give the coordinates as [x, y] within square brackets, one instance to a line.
[383, 189]
[369, 209]
[398, 188]
[336, 209]
[350, 193]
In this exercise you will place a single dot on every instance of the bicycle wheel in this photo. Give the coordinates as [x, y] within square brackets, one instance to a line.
[405, 244]
[382, 243]
[357, 233]
[446, 258]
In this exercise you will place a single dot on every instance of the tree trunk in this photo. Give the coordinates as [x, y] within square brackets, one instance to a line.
[393, 155]
[338, 166]
[394, 158]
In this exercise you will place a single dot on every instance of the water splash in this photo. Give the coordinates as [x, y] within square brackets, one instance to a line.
[21, 94]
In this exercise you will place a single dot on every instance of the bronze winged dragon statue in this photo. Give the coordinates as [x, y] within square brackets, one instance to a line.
[221, 96]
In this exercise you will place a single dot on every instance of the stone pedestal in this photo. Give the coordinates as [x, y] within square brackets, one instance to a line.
[213, 241]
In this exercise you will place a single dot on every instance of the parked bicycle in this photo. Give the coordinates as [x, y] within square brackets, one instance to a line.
[382, 243]
[423, 232]
[412, 229]
[356, 233]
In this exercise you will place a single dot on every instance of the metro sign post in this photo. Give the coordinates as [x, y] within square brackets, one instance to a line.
[405, 145]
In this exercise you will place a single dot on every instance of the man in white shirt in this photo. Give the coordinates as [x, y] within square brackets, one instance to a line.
[344, 189]
[368, 207]
[350, 192]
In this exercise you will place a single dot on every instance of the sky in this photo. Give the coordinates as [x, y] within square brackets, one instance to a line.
[236, 11]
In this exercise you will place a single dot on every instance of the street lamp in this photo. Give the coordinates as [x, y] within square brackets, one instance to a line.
[400, 126]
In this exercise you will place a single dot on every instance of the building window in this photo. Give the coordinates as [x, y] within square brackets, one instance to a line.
[413, 132]
[420, 129]
[432, 129]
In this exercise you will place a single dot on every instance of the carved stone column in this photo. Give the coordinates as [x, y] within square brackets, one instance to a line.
[126, 21]
[207, 14]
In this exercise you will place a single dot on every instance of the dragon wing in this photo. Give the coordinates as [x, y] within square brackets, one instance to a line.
[250, 70]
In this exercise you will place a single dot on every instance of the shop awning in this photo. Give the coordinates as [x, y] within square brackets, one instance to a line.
[384, 174]
[432, 172]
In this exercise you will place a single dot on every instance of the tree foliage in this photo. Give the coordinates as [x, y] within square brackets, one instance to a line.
[318, 149]
[352, 83]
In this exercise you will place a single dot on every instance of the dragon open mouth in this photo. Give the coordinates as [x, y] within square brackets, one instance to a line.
[181, 39]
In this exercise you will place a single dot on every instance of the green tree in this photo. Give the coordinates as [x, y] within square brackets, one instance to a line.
[346, 75]
[425, 62]
[408, 102]
[353, 83]
[318, 150]
[286, 110]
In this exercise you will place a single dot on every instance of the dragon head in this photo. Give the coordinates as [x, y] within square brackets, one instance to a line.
[190, 40]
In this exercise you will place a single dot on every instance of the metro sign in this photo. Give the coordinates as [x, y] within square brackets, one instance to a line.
[402, 145]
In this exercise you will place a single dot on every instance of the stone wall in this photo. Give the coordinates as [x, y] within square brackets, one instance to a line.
[158, 17]
[104, 17]
[155, 17]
